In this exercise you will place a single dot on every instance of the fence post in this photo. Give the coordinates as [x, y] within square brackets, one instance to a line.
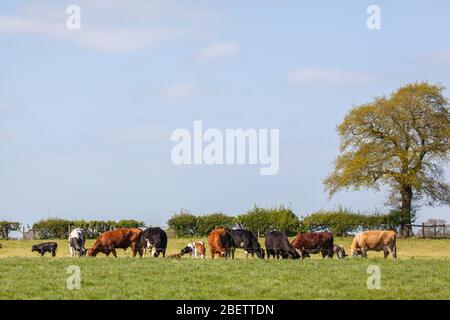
[423, 229]
[435, 230]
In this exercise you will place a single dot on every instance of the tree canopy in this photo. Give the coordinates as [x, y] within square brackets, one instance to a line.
[402, 141]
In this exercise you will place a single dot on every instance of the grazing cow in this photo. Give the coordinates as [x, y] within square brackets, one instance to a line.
[277, 244]
[195, 249]
[154, 239]
[314, 242]
[42, 248]
[220, 242]
[339, 251]
[76, 243]
[375, 240]
[123, 238]
[248, 241]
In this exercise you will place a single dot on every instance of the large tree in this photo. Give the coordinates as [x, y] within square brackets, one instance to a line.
[402, 141]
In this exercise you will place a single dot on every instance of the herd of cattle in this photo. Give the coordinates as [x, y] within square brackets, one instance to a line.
[224, 243]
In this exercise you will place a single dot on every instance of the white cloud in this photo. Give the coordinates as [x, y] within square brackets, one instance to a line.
[310, 77]
[220, 50]
[440, 57]
[180, 91]
[112, 26]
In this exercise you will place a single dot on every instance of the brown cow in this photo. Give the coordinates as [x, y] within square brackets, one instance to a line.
[220, 242]
[123, 238]
[375, 240]
[314, 242]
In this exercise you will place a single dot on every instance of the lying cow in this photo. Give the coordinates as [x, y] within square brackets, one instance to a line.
[42, 248]
[375, 240]
[314, 242]
[277, 245]
[123, 238]
[155, 240]
[221, 243]
[76, 243]
[248, 241]
[195, 249]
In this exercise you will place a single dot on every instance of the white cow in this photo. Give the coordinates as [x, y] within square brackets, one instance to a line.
[76, 242]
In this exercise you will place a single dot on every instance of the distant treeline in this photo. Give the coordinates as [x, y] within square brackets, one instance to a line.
[59, 228]
[260, 220]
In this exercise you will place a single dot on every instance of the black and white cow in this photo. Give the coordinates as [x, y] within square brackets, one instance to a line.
[42, 248]
[248, 241]
[76, 243]
[154, 239]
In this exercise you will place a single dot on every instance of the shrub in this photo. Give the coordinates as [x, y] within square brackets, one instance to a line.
[343, 222]
[261, 220]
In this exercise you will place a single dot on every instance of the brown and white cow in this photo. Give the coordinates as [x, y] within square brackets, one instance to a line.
[221, 243]
[195, 249]
[375, 240]
[123, 238]
[314, 242]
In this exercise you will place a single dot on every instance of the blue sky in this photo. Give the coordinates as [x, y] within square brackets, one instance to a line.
[86, 115]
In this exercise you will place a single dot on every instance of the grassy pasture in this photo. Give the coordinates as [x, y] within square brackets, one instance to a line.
[421, 272]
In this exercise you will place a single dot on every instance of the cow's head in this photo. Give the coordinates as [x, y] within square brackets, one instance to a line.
[339, 251]
[91, 252]
[82, 252]
[34, 248]
[356, 252]
[260, 253]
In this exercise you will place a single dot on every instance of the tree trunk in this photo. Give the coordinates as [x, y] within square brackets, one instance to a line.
[405, 226]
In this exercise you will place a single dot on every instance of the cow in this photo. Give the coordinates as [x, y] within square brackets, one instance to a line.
[248, 241]
[122, 238]
[314, 242]
[154, 239]
[277, 244]
[375, 240]
[42, 248]
[77, 240]
[221, 243]
[339, 251]
[195, 249]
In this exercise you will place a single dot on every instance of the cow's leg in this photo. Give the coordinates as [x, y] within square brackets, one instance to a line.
[386, 251]
[113, 251]
[212, 254]
[71, 251]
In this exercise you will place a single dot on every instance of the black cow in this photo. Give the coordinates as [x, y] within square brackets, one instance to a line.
[277, 244]
[248, 241]
[154, 239]
[42, 248]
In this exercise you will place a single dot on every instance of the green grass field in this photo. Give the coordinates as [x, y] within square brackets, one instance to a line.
[421, 272]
